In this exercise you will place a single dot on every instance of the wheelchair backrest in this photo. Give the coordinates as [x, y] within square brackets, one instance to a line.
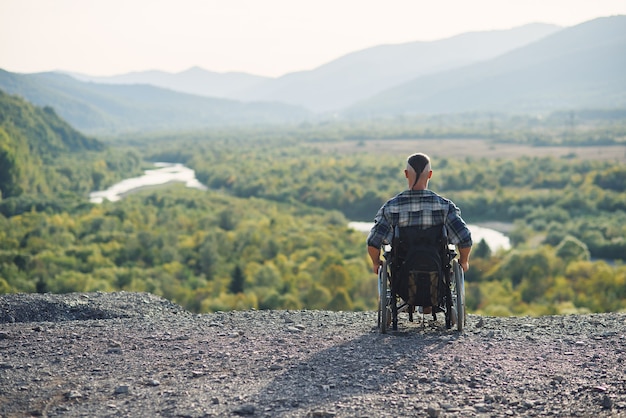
[414, 248]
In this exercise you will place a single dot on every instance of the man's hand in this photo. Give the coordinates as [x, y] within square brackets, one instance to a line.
[464, 265]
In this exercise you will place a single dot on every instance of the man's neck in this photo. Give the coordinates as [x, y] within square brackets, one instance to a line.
[420, 187]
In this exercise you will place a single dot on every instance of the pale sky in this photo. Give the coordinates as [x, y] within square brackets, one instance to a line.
[262, 37]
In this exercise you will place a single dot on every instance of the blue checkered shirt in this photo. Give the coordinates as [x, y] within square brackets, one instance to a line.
[422, 208]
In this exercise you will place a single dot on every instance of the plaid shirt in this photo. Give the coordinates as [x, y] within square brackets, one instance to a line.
[422, 208]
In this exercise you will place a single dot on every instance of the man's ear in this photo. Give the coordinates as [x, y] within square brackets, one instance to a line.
[406, 173]
[430, 173]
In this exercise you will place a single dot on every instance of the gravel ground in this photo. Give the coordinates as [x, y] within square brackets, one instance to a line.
[136, 355]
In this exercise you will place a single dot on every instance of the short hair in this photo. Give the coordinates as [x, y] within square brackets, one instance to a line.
[418, 162]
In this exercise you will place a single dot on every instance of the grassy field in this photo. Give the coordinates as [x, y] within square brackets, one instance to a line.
[460, 148]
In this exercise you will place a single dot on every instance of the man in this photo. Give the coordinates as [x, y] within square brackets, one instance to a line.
[420, 207]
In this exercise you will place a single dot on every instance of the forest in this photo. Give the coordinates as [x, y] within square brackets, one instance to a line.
[271, 230]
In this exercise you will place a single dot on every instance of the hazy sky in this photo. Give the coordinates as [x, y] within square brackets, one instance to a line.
[264, 37]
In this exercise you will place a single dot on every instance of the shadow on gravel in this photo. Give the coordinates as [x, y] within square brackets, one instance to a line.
[359, 369]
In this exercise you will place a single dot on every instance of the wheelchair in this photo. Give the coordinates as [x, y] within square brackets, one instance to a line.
[420, 269]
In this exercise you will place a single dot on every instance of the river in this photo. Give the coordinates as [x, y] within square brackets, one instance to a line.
[167, 173]
[163, 174]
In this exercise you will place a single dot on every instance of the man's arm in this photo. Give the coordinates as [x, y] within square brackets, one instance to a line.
[464, 255]
[374, 254]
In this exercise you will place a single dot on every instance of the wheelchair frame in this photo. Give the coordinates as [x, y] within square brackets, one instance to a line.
[453, 306]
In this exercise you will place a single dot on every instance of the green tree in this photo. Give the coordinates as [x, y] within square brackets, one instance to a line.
[482, 250]
[237, 280]
[572, 249]
[341, 301]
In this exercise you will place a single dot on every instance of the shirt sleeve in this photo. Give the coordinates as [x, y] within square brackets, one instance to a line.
[381, 231]
[458, 232]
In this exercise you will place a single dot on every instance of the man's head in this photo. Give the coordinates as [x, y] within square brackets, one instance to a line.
[418, 171]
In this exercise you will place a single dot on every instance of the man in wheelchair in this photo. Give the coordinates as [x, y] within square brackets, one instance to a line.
[418, 224]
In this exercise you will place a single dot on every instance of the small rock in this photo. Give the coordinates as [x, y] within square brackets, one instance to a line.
[4, 335]
[433, 412]
[153, 382]
[294, 329]
[480, 323]
[320, 414]
[449, 407]
[121, 389]
[114, 350]
[607, 403]
[196, 373]
[481, 407]
[275, 367]
[558, 379]
[73, 394]
[245, 410]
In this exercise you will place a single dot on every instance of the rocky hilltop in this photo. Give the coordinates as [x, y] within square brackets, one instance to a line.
[136, 355]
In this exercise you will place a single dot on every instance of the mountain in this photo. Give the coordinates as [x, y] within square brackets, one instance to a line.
[195, 81]
[31, 137]
[362, 74]
[579, 67]
[109, 108]
[535, 68]
[346, 80]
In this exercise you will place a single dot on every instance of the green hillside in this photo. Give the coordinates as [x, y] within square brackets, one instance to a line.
[42, 158]
[271, 232]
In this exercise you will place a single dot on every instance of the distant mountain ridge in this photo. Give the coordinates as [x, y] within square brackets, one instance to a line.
[113, 108]
[576, 68]
[348, 79]
[362, 74]
[195, 81]
[579, 67]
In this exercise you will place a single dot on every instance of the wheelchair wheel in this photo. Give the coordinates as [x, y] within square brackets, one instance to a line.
[458, 294]
[384, 314]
